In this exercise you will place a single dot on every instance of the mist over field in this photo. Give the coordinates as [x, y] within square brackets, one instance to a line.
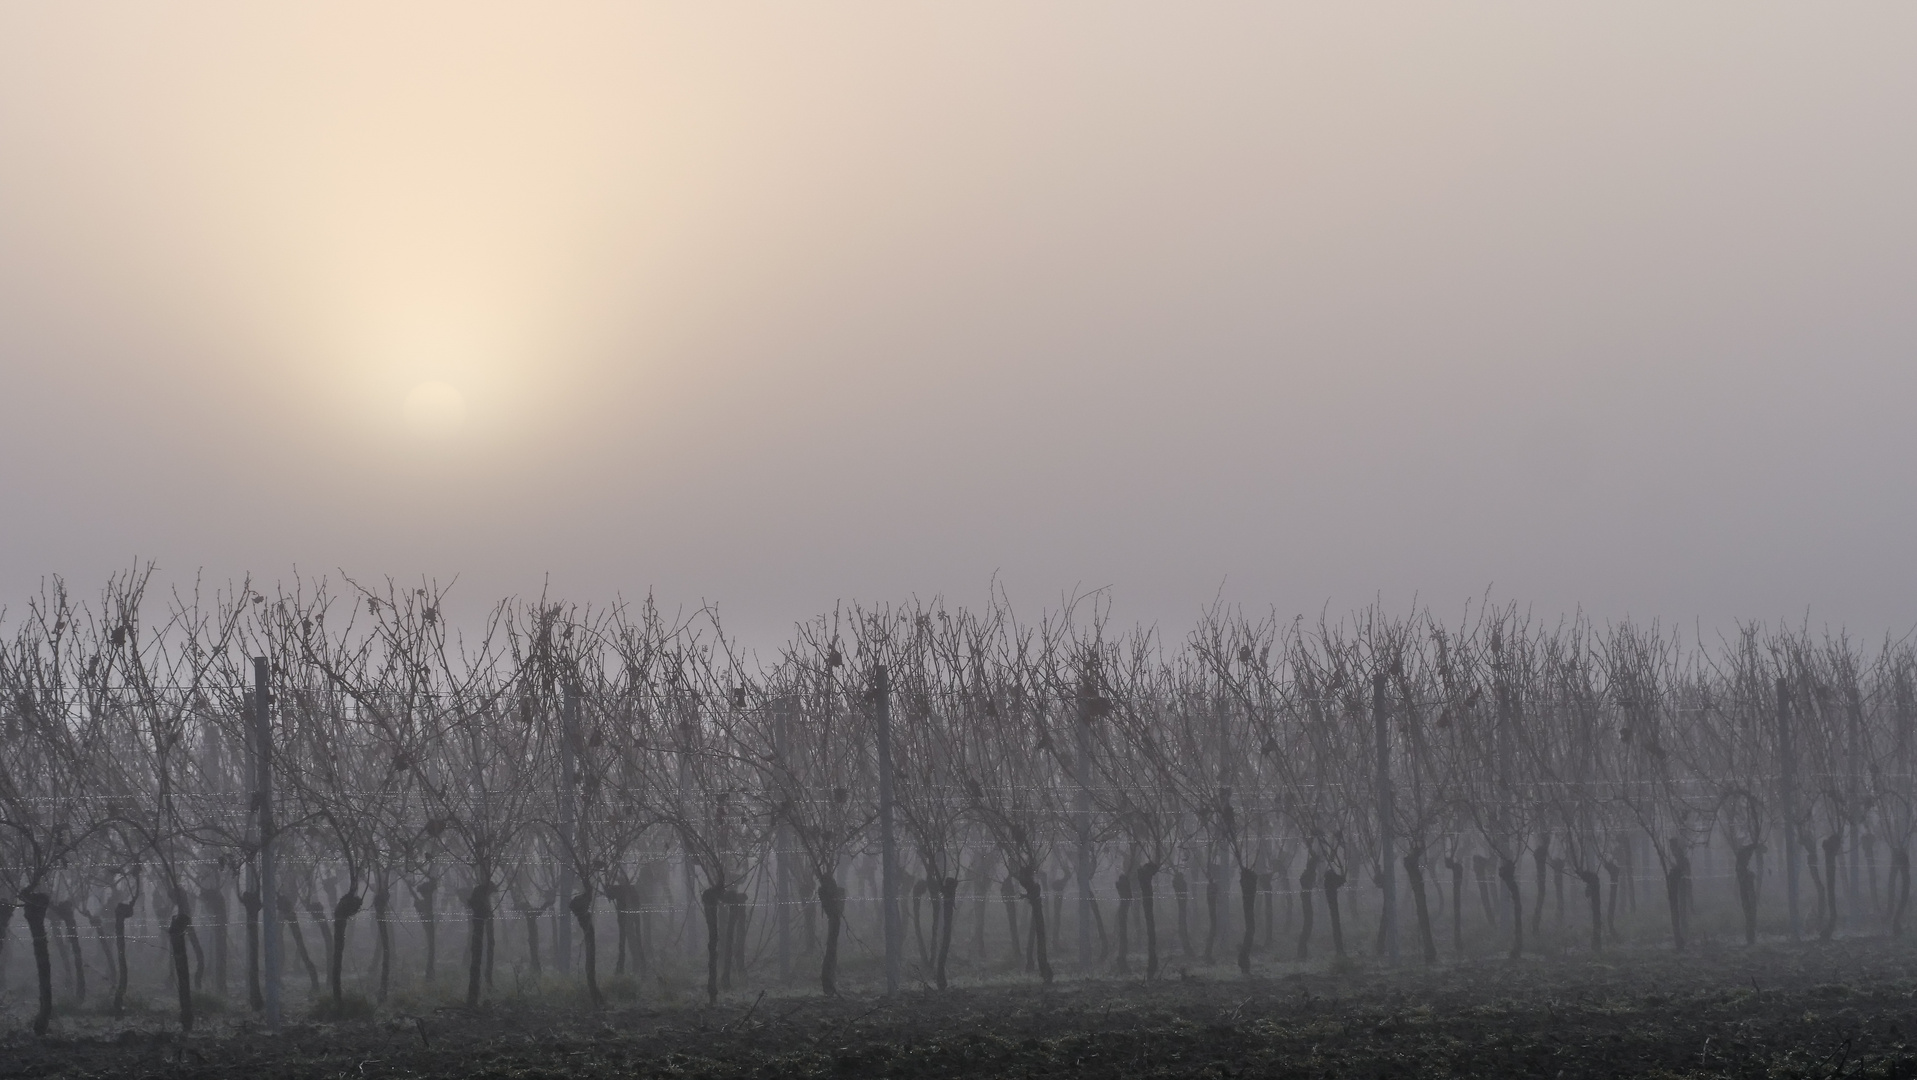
[855, 540]
[1599, 308]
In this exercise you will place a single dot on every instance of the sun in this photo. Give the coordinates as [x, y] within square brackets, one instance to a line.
[435, 410]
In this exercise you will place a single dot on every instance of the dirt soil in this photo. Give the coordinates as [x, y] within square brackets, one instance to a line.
[1843, 1009]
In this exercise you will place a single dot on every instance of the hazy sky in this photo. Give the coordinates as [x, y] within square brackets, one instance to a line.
[1611, 305]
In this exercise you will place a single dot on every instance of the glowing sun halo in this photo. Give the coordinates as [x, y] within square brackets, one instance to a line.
[435, 409]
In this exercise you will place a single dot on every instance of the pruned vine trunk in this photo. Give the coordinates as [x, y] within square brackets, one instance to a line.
[36, 904]
[832, 901]
[344, 909]
[1611, 874]
[1541, 859]
[1008, 893]
[289, 915]
[1307, 884]
[250, 904]
[1333, 882]
[581, 908]
[423, 906]
[1457, 905]
[1675, 880]
[6, 919]
[384, 929]
[949, 895]
[709, 904]
[1211, 912]
[530, 916]
[1414, 875]
[1594, 892]
[182, 977]
[479, 909]
[63, 914]
[1181, 891]
[1508, 873]
[1899, 889]
[1833, 844]
[122, 911]
[1747, 890]
[1248, 895]
[1035, 899]
[1145, 875]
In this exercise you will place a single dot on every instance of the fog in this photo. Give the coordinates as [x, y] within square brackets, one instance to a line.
[1601, 308]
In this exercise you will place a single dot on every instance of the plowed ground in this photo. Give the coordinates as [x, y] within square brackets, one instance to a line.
[1842, 1009]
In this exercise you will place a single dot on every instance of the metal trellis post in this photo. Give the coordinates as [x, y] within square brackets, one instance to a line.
[888, 844]
[1387, 835]
[269, 885]
[569, 728]
[1787, 792]
[782, 844]
[1082, 819]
